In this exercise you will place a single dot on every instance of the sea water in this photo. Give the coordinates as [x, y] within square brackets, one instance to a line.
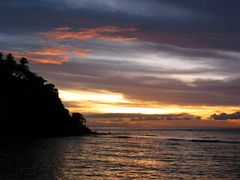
[125, 154]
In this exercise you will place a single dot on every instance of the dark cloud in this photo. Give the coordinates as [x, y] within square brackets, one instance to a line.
[145, 117]
[225, 116]
[202, 24]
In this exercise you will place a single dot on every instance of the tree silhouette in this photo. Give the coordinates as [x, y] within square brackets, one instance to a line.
[78, 118]
[30, 106]
[1, 56]
[23, 62]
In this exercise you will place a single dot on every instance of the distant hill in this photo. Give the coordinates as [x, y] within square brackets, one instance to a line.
[30, 106]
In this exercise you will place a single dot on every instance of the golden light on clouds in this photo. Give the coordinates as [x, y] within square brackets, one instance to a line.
[103, 97]
[146, 110]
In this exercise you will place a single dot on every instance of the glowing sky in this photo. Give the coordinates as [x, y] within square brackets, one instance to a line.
[131, 56]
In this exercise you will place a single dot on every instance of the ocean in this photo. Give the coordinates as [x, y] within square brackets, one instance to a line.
[125, 154]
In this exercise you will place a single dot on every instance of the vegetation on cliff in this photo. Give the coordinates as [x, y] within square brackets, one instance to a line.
[30, 106]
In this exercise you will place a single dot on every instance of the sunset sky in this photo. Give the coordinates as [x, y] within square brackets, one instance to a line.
[176, 58]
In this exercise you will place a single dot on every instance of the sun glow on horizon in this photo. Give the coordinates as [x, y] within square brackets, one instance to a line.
[109, 102]
[150, 110]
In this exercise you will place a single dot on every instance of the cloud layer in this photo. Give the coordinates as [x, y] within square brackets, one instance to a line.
[103, 33]
[158, 52]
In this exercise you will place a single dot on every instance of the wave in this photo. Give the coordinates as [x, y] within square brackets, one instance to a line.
[122, 137]
[205, 140]
[150, 135]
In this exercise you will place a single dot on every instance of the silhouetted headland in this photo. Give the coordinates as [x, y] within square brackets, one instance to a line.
[29, 106]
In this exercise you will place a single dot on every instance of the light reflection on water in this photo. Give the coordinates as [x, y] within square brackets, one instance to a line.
[129, 155]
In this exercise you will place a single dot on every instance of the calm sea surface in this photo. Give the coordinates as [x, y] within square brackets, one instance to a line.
[128, 154]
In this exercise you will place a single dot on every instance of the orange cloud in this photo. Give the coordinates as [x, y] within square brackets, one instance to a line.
[53, 55]
[118, 38]
[81, 52]
[107, 33]
[59, 55]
